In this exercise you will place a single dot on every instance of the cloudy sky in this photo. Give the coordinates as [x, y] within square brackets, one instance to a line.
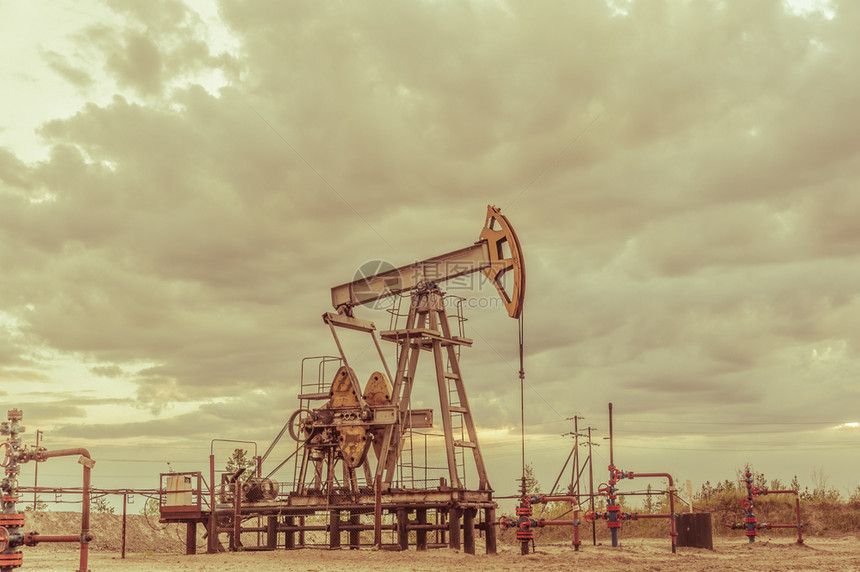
[181, 183]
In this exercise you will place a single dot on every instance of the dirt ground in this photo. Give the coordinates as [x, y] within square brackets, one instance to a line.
[649, 554]
[153, 548]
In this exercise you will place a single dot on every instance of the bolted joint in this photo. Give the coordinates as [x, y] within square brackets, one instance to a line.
[27, 454]
[524, 510]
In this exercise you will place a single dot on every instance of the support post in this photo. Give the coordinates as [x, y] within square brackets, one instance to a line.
[212, 536]
[377, 513]
[272, 532]
[421, 533]
[237, 515]
[402, 528]
[302, 531]
[190, 538]
[490, 530]
[591, 490]
[290, 535]
[454, 528]
[334, 529]
[469, 530]
[354, 533]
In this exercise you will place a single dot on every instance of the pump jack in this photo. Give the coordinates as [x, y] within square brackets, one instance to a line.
[352, 421]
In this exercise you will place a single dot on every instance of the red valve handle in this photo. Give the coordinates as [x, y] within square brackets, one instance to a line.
[603, 489]
[4, 539]
[590, 516]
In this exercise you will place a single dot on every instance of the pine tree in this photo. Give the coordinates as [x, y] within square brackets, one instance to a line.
[532, 485]
[239, 460]
[648, 507]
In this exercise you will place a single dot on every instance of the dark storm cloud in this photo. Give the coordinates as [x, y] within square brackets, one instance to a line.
[682, 178]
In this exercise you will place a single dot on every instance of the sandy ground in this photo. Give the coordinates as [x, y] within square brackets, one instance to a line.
[842, 554]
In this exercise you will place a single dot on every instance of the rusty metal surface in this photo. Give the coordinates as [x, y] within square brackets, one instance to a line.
[15, 453]
[497, 252]
[437, 269]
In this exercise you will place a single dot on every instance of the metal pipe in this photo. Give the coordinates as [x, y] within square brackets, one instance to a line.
[558, 498]
[124, 527]
[36, 473]
[212, 537]
[212, 444]
[34, 538]
[611, 456]
[613, 522]
[237, 515]
[799, 525]
[85, 537]
[638, 516]
[575, 522]
[672, 528]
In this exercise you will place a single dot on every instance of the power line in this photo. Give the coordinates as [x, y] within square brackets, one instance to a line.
[740, 423]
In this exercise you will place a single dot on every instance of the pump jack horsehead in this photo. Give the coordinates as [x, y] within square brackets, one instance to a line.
[353, 421]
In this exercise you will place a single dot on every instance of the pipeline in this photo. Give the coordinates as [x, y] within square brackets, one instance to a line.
[11, 521]
[525, 524]
[613, 515]
[750, 525]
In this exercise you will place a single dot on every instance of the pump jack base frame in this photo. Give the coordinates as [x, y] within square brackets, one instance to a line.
[439, 518]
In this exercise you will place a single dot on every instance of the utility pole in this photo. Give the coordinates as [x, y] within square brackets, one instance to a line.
[591, 488]
[36, 474]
